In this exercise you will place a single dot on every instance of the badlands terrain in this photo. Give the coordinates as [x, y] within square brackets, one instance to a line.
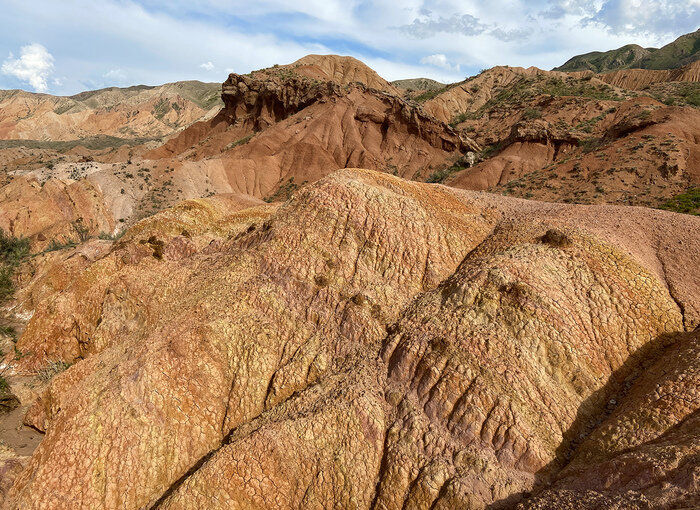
[310, 288]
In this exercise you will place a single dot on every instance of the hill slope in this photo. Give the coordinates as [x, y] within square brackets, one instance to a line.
[682, 51]
[371, 343]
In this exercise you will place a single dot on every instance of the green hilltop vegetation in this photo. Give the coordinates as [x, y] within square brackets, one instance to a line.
[682, 51]
[418, 84]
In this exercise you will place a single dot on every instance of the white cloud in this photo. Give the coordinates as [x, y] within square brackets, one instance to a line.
[439, 60]
[33, 66]
[660, 17]
[207, 66]
[115, 75]
[465, 24]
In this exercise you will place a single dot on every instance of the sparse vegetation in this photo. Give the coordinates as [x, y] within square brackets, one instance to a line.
[81, 230]
[491, 150]
[686, 203]
[531, 114]
[92, 143]
[284, 191]
[56, 245]
[51, 369]
[106, 236]
[12, 251]
[442, 174]
[241, 141]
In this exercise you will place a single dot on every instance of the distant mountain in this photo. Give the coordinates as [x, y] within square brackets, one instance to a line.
[682, 51]
[418, 84]
[133, 112]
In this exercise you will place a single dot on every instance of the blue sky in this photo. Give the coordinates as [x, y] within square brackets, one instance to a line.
[67, 46]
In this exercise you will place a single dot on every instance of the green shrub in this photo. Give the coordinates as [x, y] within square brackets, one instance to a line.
[12, 249]
[241, 141]
[442, 174]
[55, 245]
[531, 114]
[686, 203]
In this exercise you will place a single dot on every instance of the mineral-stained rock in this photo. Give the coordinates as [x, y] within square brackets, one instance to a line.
[371, 343]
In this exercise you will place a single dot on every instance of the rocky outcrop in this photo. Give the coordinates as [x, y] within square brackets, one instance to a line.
[645, 452]
[477, 91]
[262, 101]
[371, 343]
[341, 70]
[280, 129]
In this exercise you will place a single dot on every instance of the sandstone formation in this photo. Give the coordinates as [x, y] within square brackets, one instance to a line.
[373, 343]
[629, 152]
[341, 70]
[53, 210]
[219, 311]
[280, 129]
[572, 137]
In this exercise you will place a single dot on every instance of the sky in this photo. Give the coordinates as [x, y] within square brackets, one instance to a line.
[68, 46]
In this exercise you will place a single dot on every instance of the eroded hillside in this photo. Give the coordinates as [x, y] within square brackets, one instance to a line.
[374, 343]
[228, 314]
[575, 138]
[628, 137]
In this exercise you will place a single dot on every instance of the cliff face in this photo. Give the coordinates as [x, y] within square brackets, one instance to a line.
[373, 343]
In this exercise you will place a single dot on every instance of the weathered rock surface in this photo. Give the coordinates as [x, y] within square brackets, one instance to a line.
[646, 454]
[371, 343]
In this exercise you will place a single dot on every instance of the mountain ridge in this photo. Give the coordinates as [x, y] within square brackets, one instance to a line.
[682, 51]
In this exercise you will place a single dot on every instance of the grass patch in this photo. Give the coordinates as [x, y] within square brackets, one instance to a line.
[51, 369]
[161, 108]
[685, 203]
[428, 94]
[106, 236]
[491, 150]
[93, 143]
[284, 191]
[590, 144]
[441, 175]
